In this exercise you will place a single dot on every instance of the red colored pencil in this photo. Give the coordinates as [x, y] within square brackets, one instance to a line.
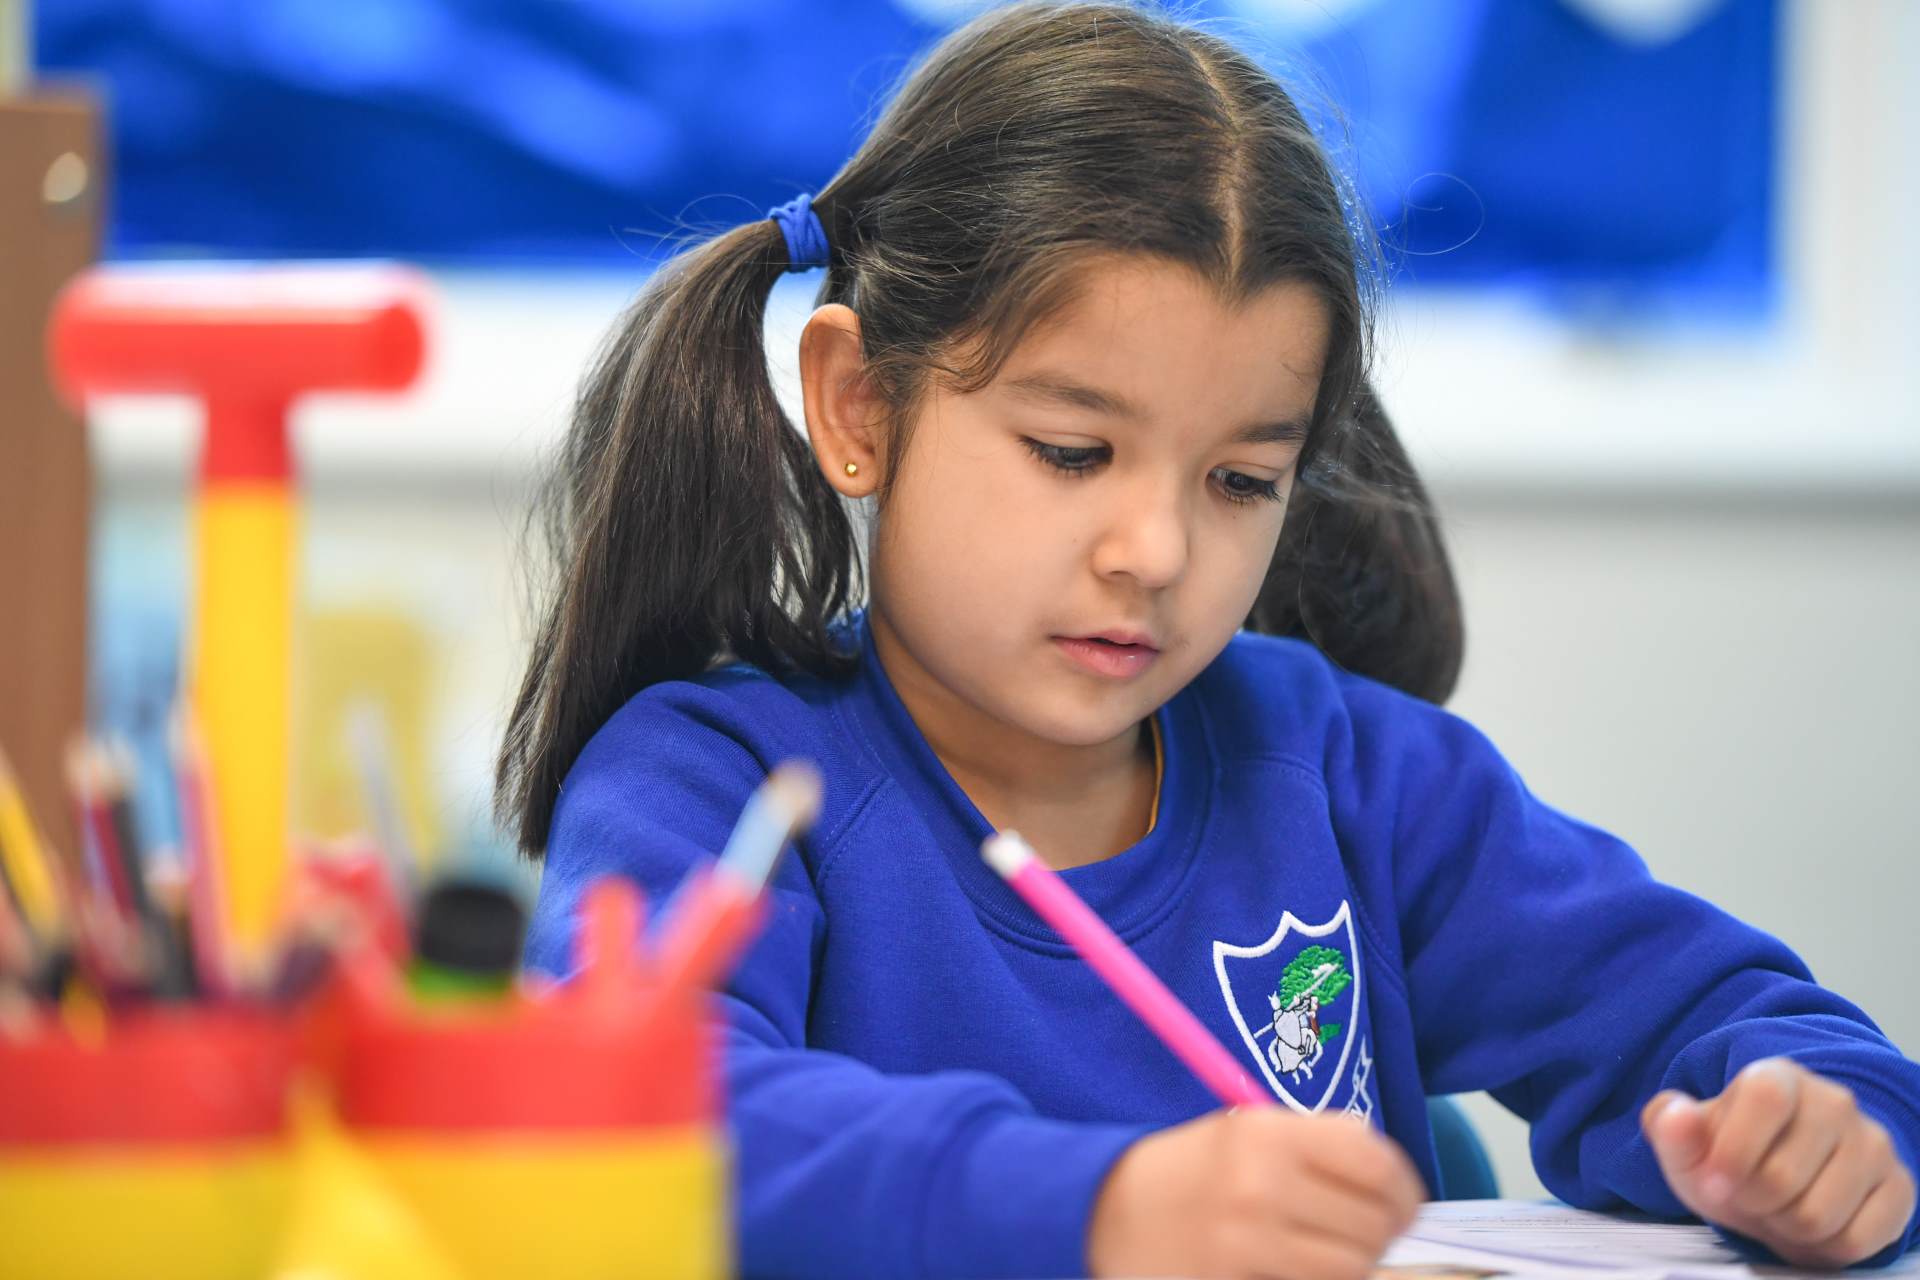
[105, 867]
[605, 951]
[715, 916]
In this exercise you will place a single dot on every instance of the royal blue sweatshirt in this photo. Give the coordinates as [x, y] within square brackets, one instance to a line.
[1350, 887]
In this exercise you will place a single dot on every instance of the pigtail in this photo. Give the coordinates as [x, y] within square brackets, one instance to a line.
[1362, 571]
[687, 521]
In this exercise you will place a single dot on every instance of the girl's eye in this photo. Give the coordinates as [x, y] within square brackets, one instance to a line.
[1238, 486]
[1072, 459]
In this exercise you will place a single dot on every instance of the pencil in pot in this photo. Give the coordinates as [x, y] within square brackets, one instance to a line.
[717, 909]
[206, 910]
[1131, 980]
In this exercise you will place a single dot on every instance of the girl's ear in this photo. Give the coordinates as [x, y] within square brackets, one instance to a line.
[844, 414]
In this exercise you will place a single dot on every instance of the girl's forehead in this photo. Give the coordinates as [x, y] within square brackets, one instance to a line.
[1150, 335]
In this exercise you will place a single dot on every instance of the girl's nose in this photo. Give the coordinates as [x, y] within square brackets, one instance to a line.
[1147, 539]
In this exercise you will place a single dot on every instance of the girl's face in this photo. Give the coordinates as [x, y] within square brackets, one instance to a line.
[1066, 548]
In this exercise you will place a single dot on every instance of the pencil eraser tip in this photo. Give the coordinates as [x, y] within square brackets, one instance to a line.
[797, 787]
[1006, 852]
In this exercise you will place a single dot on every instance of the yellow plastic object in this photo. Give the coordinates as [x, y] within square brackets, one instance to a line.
[242, 654]
[154, 1145]
[191, 1213]
[567, 1207]
[346, 1223]
[357, 660]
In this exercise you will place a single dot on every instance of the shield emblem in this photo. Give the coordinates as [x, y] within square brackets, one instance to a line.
[1296, 1001]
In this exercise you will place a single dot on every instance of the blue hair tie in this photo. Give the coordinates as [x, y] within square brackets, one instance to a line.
[806, 238]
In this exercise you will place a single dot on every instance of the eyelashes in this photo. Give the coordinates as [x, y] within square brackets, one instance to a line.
[1075, 460]
[1241, 487]
[1081, 460]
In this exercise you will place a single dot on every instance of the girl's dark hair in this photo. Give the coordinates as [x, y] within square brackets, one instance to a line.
[688, 519]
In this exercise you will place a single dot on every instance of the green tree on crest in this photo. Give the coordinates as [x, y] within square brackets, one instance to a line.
[1300, 975]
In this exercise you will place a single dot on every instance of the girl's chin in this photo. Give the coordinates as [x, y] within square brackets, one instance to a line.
[1079, 725]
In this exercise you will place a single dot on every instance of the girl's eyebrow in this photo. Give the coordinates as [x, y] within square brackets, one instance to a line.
[1290, 431]
[1064, 390]
[1060, 389]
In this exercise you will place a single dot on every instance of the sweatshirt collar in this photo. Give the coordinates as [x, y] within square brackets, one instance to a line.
[1132, 890]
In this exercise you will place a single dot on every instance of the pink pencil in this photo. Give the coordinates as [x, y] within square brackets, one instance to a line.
[1132, 981]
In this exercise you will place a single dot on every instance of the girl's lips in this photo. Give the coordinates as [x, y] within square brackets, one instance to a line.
[1115, 661]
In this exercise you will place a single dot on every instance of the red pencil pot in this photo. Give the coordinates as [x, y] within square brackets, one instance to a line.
[567, 1137]
[160, 1151]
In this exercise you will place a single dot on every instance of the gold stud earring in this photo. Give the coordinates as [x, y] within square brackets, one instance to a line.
[853, 469]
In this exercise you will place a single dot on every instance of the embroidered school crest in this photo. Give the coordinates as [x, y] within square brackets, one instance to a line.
[1296, 999]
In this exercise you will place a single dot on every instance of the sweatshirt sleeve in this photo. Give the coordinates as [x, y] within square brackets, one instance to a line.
[840, 1169]
[1545, 965]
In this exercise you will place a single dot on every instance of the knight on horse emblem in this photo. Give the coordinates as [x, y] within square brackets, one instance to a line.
[1310, 975]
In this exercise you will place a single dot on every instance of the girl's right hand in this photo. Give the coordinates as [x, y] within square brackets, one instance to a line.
[1260, 1192]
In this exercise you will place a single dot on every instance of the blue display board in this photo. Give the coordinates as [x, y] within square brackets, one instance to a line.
[1557, 145]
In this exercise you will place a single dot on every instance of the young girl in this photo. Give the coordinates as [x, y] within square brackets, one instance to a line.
[1092, 320]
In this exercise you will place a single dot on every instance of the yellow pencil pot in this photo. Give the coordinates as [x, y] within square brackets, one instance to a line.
[159, 1151]
[549, 1137]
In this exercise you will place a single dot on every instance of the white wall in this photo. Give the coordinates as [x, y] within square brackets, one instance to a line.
[1735, 689]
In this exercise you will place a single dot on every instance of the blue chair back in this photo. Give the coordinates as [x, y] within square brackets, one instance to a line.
[1465, 1171]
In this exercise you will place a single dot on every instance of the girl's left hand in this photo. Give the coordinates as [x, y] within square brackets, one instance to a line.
[1787, 1158]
